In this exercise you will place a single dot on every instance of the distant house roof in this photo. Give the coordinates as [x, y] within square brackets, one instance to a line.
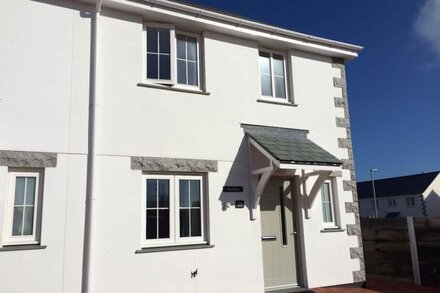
[396, 186]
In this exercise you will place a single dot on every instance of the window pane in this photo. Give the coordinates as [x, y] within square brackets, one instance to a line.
[181, 47]
[181, 71]
[192, 73]
[325, 192]
[184, 193]
[264, 63]
[164, 223]
[279, 87]
[195, 193]
[278, 65]
[17, 222]
[164, 40]
[151, 232]
[152, 66]
[164, 193]
[19, 190]
[28, 221]
[151, 39]
[195, 223]
[165, 67]
[327, 213]
[191, 48]
[184, 223]
[266, 85]
[30, 190]
[151, 193]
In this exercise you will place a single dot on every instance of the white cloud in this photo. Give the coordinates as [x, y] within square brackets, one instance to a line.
[427, 25]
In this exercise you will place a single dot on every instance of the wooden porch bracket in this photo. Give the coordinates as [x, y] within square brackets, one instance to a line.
[310, 197]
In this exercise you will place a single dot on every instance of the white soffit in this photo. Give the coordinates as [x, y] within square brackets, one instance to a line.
[202, 19]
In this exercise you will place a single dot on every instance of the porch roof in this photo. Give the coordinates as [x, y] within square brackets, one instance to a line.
[294, 150]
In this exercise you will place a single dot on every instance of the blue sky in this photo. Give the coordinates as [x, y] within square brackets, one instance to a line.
[394, 85]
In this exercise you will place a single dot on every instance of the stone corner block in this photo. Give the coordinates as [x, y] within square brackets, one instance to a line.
[344, 143]
[354, 229]
[349, 185]
[356, 252]
[347, 164]
[342, 122]
[173, 165]
[359, 276]
[339, 82]
[351, 207]
[23, 159]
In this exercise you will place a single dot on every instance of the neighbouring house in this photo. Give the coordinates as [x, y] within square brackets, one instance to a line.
[412, 195]
[157, 146]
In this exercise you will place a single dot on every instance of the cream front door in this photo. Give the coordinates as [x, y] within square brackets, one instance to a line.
[278, 234]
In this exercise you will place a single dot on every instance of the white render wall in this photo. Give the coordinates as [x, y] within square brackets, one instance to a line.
[44, 67]
[432, 198]
[44, 91]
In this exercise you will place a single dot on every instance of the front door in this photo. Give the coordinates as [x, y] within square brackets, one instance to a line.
[278, 234]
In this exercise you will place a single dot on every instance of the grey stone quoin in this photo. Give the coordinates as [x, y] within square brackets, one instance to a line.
[348, 164]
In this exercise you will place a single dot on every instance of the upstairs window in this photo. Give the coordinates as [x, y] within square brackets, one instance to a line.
[391, 202]
[410, 202]
[23, 208]
[273, 75]
[158, 54]
[172, 57]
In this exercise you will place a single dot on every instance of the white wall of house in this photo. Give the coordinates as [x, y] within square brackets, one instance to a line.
[384, 207]
[432, 198]
[43, 107]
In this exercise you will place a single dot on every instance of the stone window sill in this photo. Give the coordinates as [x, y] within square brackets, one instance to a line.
[175, 89]
[173, 248]
[22, 247]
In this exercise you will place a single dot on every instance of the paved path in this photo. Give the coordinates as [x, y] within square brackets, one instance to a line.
[379, 286]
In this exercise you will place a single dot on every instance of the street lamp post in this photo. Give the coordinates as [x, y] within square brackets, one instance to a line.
[374, 190]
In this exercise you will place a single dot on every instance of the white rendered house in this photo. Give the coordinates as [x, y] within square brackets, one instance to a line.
[154, 146]
[416, 195]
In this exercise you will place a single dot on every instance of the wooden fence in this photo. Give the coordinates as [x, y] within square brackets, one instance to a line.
[403, 249]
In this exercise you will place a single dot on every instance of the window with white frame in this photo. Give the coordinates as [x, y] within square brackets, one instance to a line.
[23, 207]
[173, 210]
[328, 205]
[410, 202]
[391, 202]
[172, 57]
[273, 74]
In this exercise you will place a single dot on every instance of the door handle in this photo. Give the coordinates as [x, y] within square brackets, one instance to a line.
[293, 233]
[269, 238]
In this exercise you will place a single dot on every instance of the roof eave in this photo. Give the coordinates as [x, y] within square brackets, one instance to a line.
[306, 42]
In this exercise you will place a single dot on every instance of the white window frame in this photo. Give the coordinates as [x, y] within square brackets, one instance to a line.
[271, 52]
[199, 67]
[8, 238]
[172, 54]
[157, 242]
[174, 201]
[189, 240]
[333, 205]
[173, 57]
